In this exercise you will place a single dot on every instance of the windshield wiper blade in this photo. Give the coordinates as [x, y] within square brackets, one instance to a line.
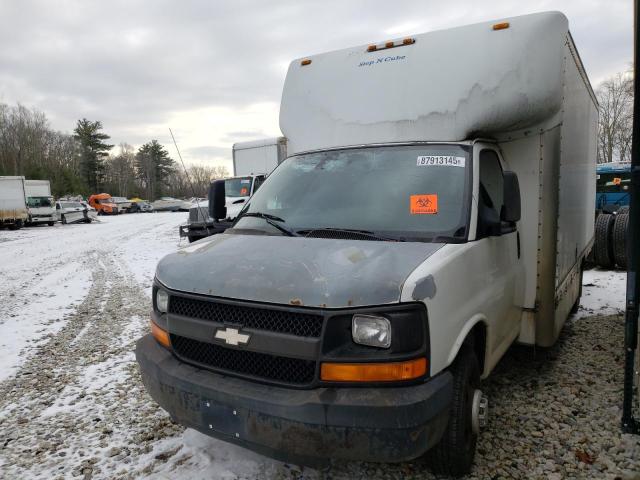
[367, 233]
[271, 220]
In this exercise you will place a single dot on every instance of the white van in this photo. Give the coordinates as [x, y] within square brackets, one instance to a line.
[436, 207]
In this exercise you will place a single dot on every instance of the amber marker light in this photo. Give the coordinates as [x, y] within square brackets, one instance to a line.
[408, 41]
[501, 26]
[162, 336]
[373, 372]
[305, 62]
[371, 48]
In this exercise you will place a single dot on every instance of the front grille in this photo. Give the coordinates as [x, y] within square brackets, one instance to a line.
[262, 365]
[198, 214]
[294, 323]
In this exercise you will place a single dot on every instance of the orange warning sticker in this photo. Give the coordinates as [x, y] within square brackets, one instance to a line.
[424, 204]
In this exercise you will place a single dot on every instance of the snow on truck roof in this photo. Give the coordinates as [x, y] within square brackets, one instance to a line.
[447, 85]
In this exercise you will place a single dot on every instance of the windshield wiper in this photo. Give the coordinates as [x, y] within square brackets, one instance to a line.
[365, 233]
[271, 220]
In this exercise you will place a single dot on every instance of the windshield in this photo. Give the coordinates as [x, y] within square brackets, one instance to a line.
[411, 192]
[104, 200]
[70, 205]
[36, 202]
[613, 182]
[237, 187]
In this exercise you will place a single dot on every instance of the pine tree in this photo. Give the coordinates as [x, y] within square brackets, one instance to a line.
[154, 167]
[92, 152]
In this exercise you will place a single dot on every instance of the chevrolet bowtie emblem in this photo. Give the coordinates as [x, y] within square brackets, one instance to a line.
[232, 336]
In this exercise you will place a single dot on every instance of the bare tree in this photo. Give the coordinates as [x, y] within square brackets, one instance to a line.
[615, 97]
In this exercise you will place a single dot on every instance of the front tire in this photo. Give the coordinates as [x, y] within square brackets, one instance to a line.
[454, 454]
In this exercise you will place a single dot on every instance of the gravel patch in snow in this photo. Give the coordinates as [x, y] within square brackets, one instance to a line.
[73, 405]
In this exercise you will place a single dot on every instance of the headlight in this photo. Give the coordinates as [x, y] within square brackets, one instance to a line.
[371, 330]
[162, 301]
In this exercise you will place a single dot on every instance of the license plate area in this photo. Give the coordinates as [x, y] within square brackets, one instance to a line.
[222, 418]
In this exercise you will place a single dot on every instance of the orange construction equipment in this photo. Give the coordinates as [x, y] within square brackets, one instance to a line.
[103, 203]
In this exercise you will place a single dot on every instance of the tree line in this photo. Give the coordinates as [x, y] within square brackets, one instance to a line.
[84, 163]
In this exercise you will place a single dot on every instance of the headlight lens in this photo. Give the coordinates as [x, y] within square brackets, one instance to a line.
[162, 301]
[371, 330]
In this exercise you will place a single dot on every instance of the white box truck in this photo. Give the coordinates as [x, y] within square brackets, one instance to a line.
[252, 162]
[13, 207]
[258, 157]
[435, 208]
[40, 203]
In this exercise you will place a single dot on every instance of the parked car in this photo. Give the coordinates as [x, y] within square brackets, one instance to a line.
[140, 206]
[104, 204]
[91, 212]
[123, 204]
[68, 211]
[164, 204]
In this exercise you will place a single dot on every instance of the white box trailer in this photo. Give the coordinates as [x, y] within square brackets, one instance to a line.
[258, 157]
[13, 207]
[523, 87]
[40, 203]
[436, 206]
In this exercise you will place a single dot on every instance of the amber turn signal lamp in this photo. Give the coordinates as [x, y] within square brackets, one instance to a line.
[305, 62]
[501, 26]
[373, 372]
[162, 336]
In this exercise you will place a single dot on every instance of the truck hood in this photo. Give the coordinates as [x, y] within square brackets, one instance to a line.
[294, 270]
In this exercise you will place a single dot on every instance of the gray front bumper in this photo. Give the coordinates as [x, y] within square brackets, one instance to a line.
[309, 427]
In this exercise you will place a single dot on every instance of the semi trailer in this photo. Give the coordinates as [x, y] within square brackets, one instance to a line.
[436, 207]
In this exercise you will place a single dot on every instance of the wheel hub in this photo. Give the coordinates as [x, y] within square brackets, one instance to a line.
[479, 411]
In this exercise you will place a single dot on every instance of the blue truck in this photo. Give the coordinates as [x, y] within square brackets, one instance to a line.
[613, 181]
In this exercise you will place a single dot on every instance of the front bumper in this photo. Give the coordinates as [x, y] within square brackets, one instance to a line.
[309, 427]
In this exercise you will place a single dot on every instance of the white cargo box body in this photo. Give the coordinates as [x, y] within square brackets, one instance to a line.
[12, 200]
[258, 157]
[523, 86]
[37, 188]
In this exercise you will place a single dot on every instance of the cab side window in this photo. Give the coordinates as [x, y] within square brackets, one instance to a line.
[257, 182]
[491, 190]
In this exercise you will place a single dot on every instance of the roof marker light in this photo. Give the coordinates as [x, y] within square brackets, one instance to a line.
[305, 62]
[391, 44]
[501, 26]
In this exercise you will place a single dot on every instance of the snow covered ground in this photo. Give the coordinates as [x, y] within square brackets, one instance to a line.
[74, 301]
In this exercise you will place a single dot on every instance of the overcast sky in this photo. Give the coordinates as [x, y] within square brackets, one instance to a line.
[213, 70]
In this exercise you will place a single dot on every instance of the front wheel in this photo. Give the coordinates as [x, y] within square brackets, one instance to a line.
[50, 224]
[455, 452]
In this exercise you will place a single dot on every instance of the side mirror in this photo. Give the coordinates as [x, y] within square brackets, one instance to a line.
[511, 207]
[217, 207]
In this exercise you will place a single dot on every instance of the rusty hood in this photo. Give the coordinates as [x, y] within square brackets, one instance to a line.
[294, 270]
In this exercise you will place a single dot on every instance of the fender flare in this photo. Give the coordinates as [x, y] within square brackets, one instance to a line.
[462, 336]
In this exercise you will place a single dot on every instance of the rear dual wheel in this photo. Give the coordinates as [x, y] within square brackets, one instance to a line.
[603, 248]
[619, 237]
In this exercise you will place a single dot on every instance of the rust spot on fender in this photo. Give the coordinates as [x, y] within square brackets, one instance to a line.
[295, 301]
